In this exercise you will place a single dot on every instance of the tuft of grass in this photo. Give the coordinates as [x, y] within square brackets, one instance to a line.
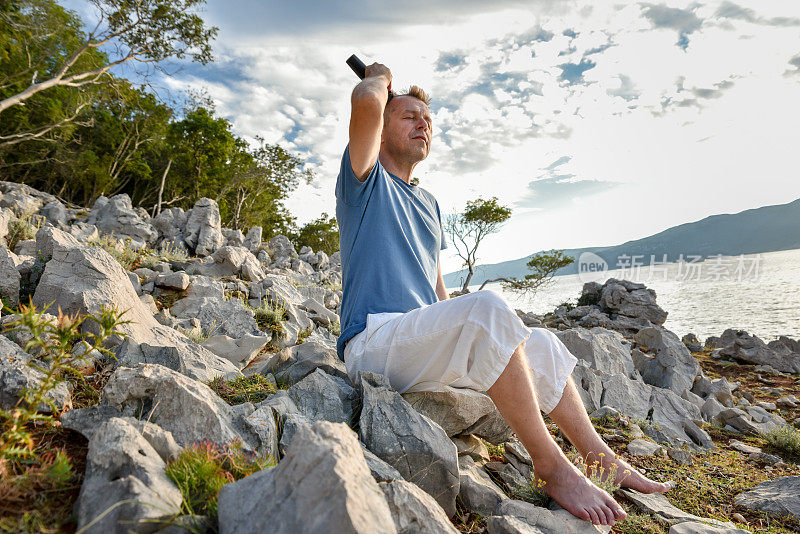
[270, 317]
[194, 334]
[20, 228]
[785, 439]
[167, 297]
[254, 388]
[120, 251]
[602, 477]
[303, 334]
[636, 523]
[496, 452]
[51, 340]
[35, 495]
[532, 492]
[202, 469]
[335, 328]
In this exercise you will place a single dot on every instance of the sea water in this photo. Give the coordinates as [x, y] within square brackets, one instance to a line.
[759, 293]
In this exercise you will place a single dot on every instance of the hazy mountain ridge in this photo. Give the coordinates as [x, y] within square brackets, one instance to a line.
[764, 229]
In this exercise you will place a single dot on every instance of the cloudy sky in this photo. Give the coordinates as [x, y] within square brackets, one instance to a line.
[597, 122]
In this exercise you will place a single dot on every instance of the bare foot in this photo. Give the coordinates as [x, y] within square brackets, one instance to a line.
[627, 476]
[578, 495]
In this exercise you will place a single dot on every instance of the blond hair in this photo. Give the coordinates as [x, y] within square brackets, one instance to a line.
[413, 91]
[417, 92]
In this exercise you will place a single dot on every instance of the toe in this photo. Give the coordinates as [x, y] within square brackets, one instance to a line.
[593, 517]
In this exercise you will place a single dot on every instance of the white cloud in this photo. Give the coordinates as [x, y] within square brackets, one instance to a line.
[683, 132]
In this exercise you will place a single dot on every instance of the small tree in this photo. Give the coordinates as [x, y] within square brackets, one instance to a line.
[321, 234]
[468, 228]
[543, 264]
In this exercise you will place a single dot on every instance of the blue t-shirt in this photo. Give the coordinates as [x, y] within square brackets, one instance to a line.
[390, 234]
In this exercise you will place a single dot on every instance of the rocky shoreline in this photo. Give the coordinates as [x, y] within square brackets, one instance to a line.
[211, 305]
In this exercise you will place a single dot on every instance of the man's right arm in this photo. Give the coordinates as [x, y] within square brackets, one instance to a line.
[366, 118]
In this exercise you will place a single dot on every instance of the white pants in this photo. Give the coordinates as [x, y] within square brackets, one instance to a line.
[462, 342]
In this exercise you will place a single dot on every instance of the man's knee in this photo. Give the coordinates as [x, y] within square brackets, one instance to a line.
[486, 299]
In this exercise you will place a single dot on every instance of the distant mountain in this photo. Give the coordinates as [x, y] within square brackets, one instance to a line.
[765, 229]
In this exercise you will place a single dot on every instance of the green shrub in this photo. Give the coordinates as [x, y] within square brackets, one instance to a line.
[532, 492]
[202, 469]
[52, 341]
[270, 317]
[120, 251]
[303, 334]
[20, 228]
[335, 328]
[785, 439]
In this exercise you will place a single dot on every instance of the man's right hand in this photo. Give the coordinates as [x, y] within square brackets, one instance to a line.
[368, 101]
[379, 69]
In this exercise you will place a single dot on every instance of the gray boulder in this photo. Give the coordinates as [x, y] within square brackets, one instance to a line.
[295, 363]
[462, 411]
[230, 261]
[252, 241]
[673, 366]
[413, 510]
[743, 347]
[632, 300]
[322, 485]
[281, 247]
[203, 231]
[122, 466]
[83, 279]
[218, 316]
[116, 216]
[408, 441]
[189, 409]
[605, 350]
[508, 524]
[175, 351]
[665, 512]
[549, 521]
[9, 278]
[17, 374]
[477, 491]
[321, 396]
[239, 352]
[778, 496]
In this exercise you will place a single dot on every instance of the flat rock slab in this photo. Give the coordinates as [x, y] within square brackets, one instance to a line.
[550, 521]
[658, 505]
[642, 447]
[691, 527]
[781, 496]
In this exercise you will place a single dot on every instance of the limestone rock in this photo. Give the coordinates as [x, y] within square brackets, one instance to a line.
[408, 441]
[605, 350]
[122, 466]
[187, 408]
[779, 496]
[116, 216]
[673, 366]
[203, 232]
[462, 411]
[413, 510]
[322, 485]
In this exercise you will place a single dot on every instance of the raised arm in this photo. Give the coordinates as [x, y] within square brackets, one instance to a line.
[366, 118]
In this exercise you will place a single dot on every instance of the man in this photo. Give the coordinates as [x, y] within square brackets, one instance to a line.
[397, 319]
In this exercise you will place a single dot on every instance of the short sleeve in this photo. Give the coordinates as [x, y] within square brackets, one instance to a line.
[349, 189]
[441, 226]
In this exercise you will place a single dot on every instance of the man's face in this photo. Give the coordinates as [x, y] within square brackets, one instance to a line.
[407, 127]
